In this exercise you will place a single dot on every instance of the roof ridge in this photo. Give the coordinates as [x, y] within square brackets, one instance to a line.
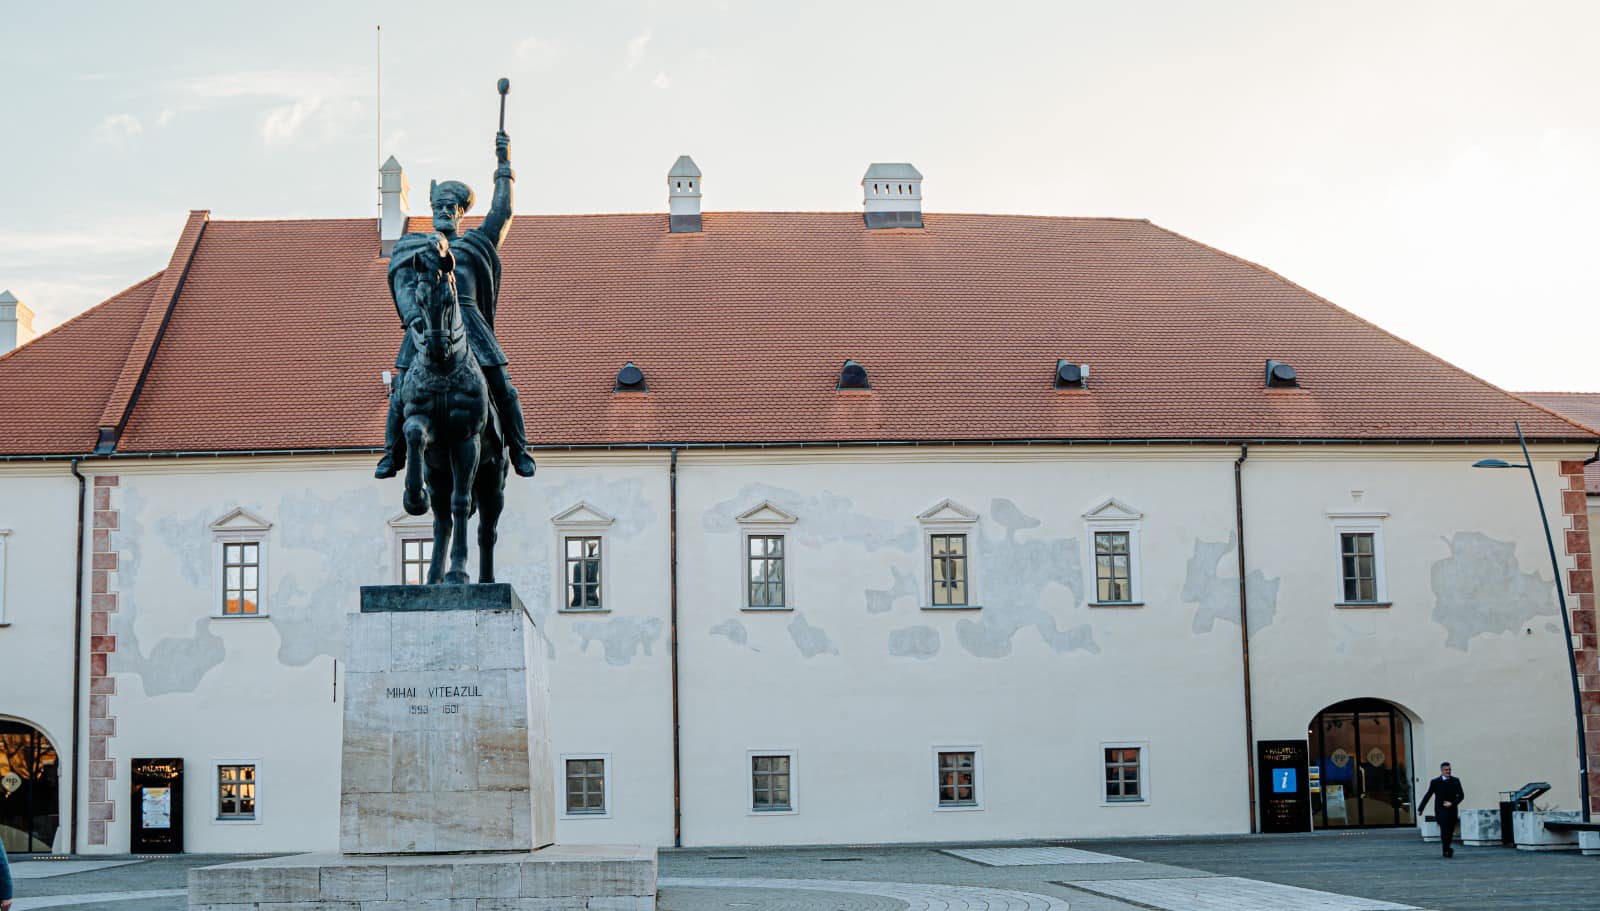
[78, 316]
[1374, 326]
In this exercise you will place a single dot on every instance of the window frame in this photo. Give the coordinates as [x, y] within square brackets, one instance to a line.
[766, 520]
[569, 584]
[1114, 516]
[1143, 800]
[217, 766]
[240, 527]
[750, 757]
[402, 528]
[950, 518]
[977, 778]
[424, 565]
[607, 770]
[582, 520]
[1358, 523]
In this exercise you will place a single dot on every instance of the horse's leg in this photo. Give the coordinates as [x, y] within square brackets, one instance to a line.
[491, 500]
[463, 468]
[439, 490]
[417, 431]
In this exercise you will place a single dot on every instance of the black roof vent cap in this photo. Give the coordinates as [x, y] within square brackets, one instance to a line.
[853, 376]
[1280, 375]
[631, 379]
[1071, 376]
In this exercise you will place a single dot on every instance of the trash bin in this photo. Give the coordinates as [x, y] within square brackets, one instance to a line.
[1520, 800]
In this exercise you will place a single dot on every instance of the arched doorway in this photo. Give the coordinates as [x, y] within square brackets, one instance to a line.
[30, 788]
[1361, 766]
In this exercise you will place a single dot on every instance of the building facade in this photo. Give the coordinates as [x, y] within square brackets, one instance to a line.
[978, 597]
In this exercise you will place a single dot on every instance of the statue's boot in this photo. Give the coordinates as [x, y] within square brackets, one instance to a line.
[394, 444]
[510, 408]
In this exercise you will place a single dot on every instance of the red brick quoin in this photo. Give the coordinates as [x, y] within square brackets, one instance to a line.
[102, 686]
[1580, 587]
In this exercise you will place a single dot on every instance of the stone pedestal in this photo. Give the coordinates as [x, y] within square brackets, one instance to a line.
[1533, 836]
[1589, 843]
[446, 749]
[446, 724]
[1480, 828]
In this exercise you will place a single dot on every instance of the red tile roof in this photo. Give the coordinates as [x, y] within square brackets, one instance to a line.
[281, 328]
[1582, 407]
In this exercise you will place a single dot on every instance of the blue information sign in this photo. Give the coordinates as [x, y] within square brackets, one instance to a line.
[1284, 781]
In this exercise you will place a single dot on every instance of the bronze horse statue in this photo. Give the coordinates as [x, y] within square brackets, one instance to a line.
[452, 437]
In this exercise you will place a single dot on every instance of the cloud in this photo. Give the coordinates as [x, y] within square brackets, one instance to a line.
[662, 80]
[117, 129]
[636, 48]
[538, 53]
[302, 106]
[165, 117]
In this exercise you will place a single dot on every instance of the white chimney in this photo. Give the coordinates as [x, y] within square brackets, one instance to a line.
[892, 195]
[683, 196]
[394, 187]
[16, 322]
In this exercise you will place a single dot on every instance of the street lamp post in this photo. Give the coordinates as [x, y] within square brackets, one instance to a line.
[1566, 622]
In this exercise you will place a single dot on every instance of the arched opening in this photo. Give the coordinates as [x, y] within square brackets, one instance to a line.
[1361, 766]
[30, 788]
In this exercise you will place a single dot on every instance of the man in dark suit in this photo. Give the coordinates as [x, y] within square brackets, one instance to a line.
[1448, 789]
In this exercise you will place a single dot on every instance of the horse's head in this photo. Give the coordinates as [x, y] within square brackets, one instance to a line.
[435, 290]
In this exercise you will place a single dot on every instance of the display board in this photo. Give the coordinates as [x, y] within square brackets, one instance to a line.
[1284, 786]
[157, 803]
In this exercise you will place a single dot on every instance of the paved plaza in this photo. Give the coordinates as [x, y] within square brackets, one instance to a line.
[1360, 871]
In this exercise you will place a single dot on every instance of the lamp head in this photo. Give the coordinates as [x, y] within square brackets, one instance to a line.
[1493, 463]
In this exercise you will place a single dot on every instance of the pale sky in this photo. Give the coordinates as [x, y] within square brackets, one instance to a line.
[1432, 166]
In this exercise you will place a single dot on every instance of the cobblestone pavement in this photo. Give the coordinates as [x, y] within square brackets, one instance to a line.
[1365, 870]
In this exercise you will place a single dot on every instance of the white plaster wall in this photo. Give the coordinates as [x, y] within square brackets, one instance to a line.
[1036, 678]
[38, 503]
[1483, 673]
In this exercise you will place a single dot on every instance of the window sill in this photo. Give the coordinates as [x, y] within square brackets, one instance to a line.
[1116, 604]
[236, 822]
[789, 812]
[584, 610]
[1141, 802]
[959, 808]
[766, 610]
[1362, 605]
[231, 617]
[605, 815]
[957, 607]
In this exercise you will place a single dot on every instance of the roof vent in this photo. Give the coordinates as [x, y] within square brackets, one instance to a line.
[392, 189]
[1071, 376]
[683, 197]
[631, 379]
[16, 322]
[853, 376]
[892, 195]
[1280, 375]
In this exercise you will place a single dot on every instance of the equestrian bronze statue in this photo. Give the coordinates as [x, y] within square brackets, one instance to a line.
[455, 421]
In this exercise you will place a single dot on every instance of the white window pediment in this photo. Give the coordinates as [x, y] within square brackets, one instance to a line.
[766, 514]
[1113, 510]
[407, 522]
[582, 515]
[948, 512]
[241, 521]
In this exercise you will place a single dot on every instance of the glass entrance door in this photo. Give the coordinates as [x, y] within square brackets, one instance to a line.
[1361, 760]
[29, 789]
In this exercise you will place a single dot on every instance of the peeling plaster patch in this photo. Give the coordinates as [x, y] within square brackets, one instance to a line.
[345, 548]
[1218, 595]
[914, 642]
[621, 637]
[1551, 628]
[1352, 629]
[623, 500]
[527, 568]
[1011, 518]
[1479, 589]
[190, 541]
[810, 640]
[175, 664]
[1014, 578]
[881, 600]
[735, 632]
[823, 517]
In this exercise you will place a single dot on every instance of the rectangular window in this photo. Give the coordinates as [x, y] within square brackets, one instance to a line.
[765, 557]
[241, 582]
[236, 792]
[1359, 565]
[1113, 578]
[415, 555]
[958, 779]
[586, 786]
[1122, 774]
[949, 553]
[583, 573]
[769, 783]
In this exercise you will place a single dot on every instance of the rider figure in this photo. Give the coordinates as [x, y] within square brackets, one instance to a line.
[477, 274]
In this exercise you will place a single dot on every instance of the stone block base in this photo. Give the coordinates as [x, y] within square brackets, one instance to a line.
[1533, 836]
[1480, 828]
[1589, 843]
[557, 878]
